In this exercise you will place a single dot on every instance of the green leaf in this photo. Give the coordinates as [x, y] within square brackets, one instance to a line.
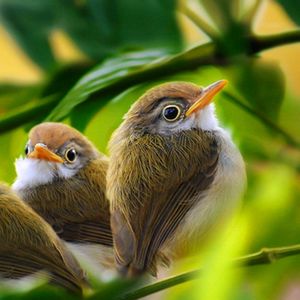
[33, 113]
[84, 112]
[45, 292]
[292, 7]
[100, 28]
[30, 22]
[64, 78]
[233, 30]
[13, 95]
[100, 77]
[260, 83]
[117, 74]
[127, 25]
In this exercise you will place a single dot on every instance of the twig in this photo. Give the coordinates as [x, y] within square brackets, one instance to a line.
[198, 21]
[265, 42]
[252, 12]
[267, 256]
[288, 138]
[264, 256]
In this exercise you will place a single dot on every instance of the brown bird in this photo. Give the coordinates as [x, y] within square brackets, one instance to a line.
[63, 178]
[29, 245]
[173, 173]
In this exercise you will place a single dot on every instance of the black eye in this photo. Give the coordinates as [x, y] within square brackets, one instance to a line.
[71, 155]
[171, 112]
[26, 151]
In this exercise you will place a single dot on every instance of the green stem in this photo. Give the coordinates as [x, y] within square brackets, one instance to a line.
[264, 256]
[261, 43]
[192, 59]
[198, 21]
[288, 138]
[162, 285]
[249, 16]
[267, 256]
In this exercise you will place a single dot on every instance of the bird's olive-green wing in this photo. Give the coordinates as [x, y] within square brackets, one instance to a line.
[126, 251]
[146, 218]
[165, 218]
[29, 245]
[17, 263]
[76, 208]
[124, 241]
[97, 232]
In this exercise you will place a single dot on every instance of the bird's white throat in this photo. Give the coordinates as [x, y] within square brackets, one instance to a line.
[205, 119]
[35, 172]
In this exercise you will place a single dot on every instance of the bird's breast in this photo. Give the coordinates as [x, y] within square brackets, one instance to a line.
[217, 202]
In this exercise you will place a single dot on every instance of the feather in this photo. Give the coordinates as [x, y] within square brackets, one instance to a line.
[76, 207]
[29, 245]
[154, 189]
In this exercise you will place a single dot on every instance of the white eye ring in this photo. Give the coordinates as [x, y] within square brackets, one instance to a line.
[71, 155]
[166, 111]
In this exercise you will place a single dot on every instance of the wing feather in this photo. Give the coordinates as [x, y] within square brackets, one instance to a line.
[96, 232]
[154, 186]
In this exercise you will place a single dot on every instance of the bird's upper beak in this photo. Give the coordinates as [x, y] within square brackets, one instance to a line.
[206, 96]
[42, 152]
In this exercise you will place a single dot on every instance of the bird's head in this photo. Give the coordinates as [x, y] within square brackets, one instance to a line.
[173, 107]
[53, 151]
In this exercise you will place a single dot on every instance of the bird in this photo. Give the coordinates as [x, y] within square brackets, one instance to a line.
[63, 178]
[29, 245]
[173, 173]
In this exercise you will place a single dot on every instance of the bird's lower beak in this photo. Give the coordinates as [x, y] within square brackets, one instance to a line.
[206, 96]
[41, 152]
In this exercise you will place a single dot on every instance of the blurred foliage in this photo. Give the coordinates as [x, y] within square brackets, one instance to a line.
[99, 28]
[132, 45]
[292, 8]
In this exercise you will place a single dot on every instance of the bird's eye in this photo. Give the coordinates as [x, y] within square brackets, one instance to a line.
[26, 151]
[71, 155]
[171, 112]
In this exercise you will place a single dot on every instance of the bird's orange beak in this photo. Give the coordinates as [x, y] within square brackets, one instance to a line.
[41, 152]
[206, 96]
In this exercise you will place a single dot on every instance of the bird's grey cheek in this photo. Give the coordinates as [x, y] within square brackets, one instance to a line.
[68, 166]
[167, 128]
[77, 165]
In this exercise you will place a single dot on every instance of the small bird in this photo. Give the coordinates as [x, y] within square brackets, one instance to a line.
[29, 245]
[173, 173]
[63, 178]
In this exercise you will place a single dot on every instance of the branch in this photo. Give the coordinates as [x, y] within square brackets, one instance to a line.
[267, 256]
[264, 256]
[261, 43]
[205, 54]
[201, 55]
